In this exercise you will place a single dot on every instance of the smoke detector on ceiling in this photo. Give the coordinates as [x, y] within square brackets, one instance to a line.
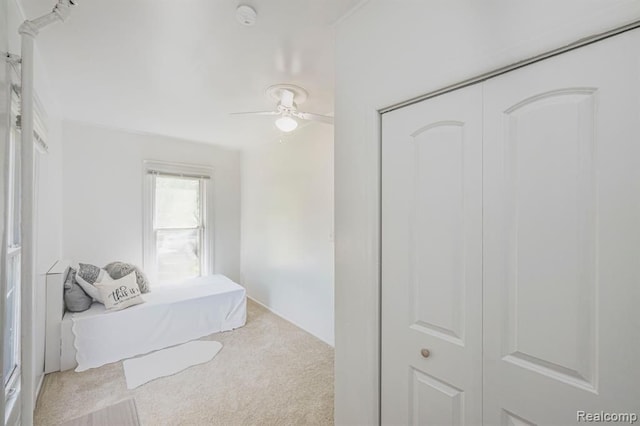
[246, 15]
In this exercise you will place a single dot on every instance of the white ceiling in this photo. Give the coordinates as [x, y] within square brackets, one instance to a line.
[178, 68]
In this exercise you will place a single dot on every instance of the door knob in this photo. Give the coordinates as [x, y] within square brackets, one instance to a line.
[425, 353]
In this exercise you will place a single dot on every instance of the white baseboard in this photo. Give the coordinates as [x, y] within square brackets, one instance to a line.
[288, 320]
[38, 389]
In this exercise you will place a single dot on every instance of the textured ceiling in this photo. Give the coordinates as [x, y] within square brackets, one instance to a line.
[179, 68]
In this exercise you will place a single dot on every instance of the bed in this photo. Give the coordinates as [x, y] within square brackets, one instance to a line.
[170, 315]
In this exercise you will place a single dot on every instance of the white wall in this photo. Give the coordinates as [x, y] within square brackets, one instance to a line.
[390, 51]
[287, 228]
[48, 230]
[49, 184]
[102, 181]
[5, 92]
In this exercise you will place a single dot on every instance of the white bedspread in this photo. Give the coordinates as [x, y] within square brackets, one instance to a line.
[169, 316]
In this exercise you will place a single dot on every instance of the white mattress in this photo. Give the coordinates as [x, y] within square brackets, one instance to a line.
[169, 316]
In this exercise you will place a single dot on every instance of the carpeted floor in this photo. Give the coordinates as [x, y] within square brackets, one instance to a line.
[269, 372]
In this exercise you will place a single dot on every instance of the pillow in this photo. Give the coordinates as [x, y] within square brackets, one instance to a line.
[120, 269]
[90, 275]
[75, 299]
[120, 294]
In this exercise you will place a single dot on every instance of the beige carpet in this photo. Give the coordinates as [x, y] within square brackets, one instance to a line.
[269, 372]
[123, 413]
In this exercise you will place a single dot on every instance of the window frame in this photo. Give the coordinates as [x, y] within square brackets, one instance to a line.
[12, 239]
[153, 168]
[13, 249]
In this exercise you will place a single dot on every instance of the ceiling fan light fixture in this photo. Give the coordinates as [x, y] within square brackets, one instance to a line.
[286, 124]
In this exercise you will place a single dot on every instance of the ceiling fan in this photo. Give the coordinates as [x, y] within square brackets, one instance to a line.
[289, 97]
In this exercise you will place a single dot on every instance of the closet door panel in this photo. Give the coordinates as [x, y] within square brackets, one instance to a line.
[431, 261]
[561, 224]
[550, 240]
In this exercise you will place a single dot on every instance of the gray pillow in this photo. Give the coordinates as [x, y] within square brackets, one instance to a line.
[118, 270]
[90, 273]
[75, 299]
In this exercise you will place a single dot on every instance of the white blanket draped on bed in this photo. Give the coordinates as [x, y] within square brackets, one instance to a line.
[169, 316]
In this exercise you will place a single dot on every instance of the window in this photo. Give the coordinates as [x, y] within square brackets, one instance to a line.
[11, 322]
[177, 229]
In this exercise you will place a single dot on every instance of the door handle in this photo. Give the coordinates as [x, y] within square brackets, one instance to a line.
[425, 353]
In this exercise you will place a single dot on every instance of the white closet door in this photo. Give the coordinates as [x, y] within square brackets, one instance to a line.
[562, 237]
[432, 261]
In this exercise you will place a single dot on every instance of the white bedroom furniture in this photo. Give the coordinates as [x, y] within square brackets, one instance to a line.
[170, 315]
[510, 241]
[54, 313]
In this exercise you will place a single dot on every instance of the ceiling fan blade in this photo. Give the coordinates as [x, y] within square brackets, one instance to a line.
[256, 113]
[314, 117]
[286, 99]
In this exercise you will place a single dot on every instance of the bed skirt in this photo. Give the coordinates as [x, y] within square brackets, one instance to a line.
[169, 316]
